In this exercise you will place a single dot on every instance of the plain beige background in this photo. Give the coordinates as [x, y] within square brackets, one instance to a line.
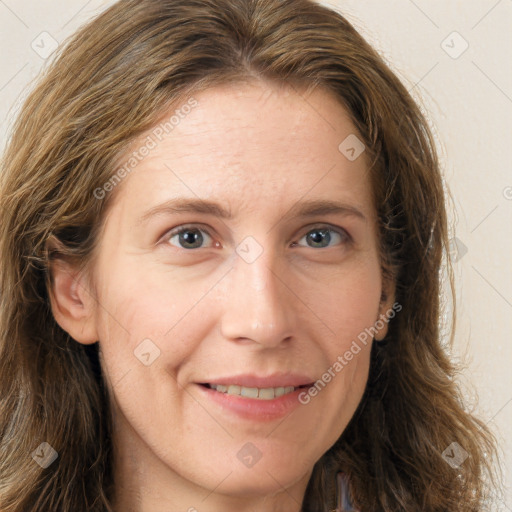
[454, 56]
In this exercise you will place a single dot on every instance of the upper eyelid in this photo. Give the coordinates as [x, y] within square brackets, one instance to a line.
[182, 227]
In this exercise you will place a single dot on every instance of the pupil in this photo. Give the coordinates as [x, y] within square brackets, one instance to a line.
[322, 234]
[189, 237]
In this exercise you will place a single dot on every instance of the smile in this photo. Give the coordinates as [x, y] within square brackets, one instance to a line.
[258, 393]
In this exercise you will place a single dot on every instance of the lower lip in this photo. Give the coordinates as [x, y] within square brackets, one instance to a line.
[252, 408]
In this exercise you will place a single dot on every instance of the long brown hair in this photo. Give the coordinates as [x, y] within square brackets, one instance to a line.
[110, 83]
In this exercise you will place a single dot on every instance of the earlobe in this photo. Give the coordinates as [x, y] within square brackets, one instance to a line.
[72, 303]
[385, 308]
[381, 326]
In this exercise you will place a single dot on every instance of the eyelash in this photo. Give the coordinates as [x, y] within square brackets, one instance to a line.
[340, 231]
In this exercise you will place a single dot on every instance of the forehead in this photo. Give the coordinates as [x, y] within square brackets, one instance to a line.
[251, 145]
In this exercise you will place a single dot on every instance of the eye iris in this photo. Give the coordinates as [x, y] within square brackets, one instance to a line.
[195, 235]
[192, 238]
[324, 236]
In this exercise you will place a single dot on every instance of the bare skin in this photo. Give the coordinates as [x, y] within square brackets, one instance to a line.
[258, 151]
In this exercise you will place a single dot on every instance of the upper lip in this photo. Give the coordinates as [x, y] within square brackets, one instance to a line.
[275, 380]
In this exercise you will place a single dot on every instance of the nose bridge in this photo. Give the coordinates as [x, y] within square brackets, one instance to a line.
[258, 302]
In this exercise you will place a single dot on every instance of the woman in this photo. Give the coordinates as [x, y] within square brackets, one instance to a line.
[257, 369]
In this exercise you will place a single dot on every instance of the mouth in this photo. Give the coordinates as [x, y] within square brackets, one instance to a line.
[250, 403]
[254, 392]
[256, 397]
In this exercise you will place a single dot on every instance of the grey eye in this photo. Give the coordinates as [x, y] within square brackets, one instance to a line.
[321, 237]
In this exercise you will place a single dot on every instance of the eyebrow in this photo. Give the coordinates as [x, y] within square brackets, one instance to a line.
[203, 206]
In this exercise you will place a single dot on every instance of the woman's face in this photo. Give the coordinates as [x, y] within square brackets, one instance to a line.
[255, 293]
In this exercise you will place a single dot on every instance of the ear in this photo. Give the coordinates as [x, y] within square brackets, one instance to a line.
[72, 302]
[386, 308]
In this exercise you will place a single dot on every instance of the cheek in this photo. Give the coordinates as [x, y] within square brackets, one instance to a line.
[140, 302]
[348, 308]
[350, 313]
[350, 305]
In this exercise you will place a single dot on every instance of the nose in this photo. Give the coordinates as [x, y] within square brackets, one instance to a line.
[259, 304]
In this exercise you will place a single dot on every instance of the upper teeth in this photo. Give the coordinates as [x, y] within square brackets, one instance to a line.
[261, 393]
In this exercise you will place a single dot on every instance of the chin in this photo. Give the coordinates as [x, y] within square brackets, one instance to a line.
[250, 483]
